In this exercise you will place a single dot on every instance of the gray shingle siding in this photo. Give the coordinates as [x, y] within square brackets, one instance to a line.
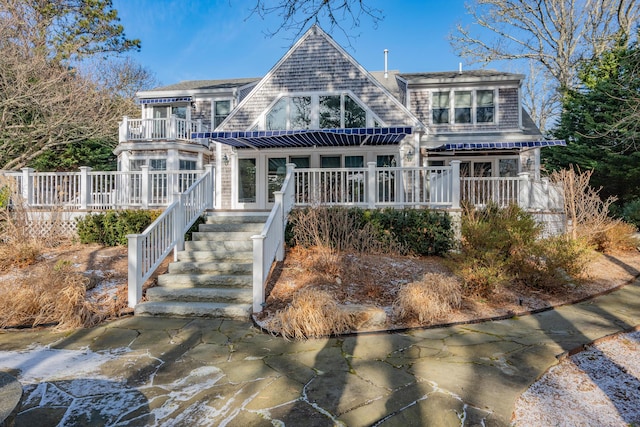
[509, 108]
[303, 72]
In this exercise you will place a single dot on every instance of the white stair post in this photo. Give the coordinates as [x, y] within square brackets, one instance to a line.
[134, 272]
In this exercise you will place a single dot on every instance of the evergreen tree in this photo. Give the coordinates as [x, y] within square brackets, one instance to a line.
[601, 123]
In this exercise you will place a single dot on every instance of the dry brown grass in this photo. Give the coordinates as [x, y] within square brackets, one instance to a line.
[50, 296]
[429, 299]
[312, 313]
[618, 236]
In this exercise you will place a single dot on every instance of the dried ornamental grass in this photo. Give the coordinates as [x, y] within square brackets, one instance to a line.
[49, 296]
[312, 313]
[429, 299]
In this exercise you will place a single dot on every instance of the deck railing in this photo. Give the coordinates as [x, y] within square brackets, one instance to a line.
[171, 128]
[166, 233]
[373, 186]
[89, 190]
[480, 191]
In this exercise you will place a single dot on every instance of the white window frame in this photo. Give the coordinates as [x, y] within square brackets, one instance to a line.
[474, 106]
[213, 110]
[370, 121]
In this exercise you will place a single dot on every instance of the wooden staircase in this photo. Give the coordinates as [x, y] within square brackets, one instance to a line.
[213, 276]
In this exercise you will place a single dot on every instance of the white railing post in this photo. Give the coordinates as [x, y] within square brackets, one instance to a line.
[134, 272]
[279, 201]
[372, 185]
[258, 270]
[455, 184]
[27, 185]
[85, 187]
[210, 186]
[123, 130]
[179, 222]
[524, 195]
[172, 132]
[145, 187]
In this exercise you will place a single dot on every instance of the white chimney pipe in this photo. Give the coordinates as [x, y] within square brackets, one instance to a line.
[386, 55]
[460, 67]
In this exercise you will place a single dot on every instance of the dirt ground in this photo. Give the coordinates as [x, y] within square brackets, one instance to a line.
[365, 280]
[375, 280]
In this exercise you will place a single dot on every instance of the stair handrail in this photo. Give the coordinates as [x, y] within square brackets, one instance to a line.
[268, 246]
[146, 251]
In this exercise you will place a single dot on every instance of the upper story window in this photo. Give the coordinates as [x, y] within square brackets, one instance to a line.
[316, 111]
[440, 107]
[468, 107]
[484, 106]
[221, 110]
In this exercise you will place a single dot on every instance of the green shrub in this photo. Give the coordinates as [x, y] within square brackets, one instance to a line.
[111, 228]
[419, 232]
[502, 246]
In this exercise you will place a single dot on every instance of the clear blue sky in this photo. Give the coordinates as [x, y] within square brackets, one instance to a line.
[217, 39]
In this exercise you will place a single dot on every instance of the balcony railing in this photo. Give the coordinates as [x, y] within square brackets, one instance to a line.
[172, 128]
[89, 190]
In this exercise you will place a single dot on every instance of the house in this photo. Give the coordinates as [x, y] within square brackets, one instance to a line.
[318, 108]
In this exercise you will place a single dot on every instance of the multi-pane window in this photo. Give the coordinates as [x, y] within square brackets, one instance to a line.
[467, 107]
[187, 165]
[321, 112]
[462, 106]
[440, 107]
[221, 110]
[484, 106]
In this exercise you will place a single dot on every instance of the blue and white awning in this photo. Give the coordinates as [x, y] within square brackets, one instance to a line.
[308, 138]
[462, 146]
[164, 100]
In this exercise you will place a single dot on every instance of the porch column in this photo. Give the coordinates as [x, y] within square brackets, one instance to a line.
[172, 131]
[372, 185]
[455, 184]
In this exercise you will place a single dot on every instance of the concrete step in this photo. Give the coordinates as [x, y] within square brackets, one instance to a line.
[228, 219]
[205, 280]
[194, 309]
[225, 268]
[226, 246]
[253, 227]
[216, 256]
[221, 236]
[225, 295]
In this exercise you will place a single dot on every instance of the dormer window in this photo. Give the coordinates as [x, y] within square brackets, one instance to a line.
[322, 111]
[468, 107]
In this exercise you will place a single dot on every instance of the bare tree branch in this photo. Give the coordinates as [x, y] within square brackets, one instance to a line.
[298, 15]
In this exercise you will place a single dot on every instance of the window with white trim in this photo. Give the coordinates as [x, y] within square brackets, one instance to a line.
[463, 107]
[321, 111]
[221, 110]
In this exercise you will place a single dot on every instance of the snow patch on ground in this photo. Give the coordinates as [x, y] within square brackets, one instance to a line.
[599, 386]
[38, 364]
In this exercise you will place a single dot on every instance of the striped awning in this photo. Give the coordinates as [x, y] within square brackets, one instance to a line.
[164, 100]
[465, 146]
[308, 138]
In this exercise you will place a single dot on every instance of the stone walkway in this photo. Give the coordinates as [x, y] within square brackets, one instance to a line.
[173, 372]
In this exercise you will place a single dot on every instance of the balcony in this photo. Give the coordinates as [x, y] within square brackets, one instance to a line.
[166, 129]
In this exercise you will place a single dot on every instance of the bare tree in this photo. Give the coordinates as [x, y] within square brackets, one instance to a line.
[296, 15]
[539, 96]
[556, 35]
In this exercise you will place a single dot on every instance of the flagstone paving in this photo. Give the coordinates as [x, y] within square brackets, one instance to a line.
[185, 372]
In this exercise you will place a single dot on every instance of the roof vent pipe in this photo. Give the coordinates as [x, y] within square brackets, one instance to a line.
[459, 67]
[386, 56]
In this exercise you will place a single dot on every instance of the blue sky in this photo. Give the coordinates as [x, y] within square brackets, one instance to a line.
[217, 39]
